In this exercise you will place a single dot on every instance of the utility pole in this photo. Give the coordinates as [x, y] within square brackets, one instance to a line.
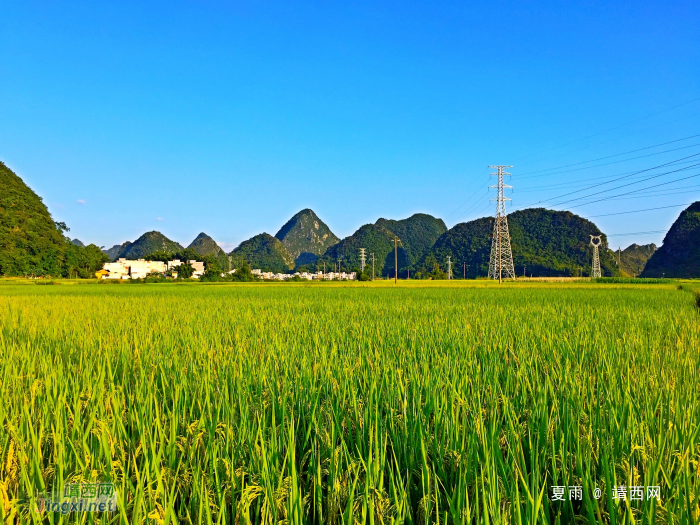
[396, 258]
[524, 267]
[362, 259]
[596, 258]
[619, 260]
[501, 262]
[372, 265]
[449, 267]
[465, 271]
[396, 261]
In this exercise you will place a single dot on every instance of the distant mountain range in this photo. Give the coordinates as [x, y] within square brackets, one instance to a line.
[545, 243]
[154, 241]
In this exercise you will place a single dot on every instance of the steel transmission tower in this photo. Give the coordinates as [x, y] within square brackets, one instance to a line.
[363, 257]
[501, 262]
[596, 257]
[449, 267]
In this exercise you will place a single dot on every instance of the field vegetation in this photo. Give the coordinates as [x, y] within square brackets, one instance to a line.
[426, 402]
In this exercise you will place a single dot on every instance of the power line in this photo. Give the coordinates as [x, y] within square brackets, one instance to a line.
[639, 211]
[481, 210]
[611, 156]
[625, 185]
[629, 134]
[642, 194]
[458, 207]
[611, 129]
[614, 180]
[649, 195]
[476, 203]
[635, 233]
[609, 163]
[659, 193]
[633, 191]
[623, 176]
[582, 182]
[588, 167]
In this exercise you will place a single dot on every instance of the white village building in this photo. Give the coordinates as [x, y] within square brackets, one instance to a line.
[140, 268]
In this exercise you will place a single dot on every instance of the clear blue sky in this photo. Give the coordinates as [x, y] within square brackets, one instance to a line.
[230, 117]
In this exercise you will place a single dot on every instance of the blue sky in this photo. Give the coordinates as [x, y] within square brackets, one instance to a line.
[230, 117]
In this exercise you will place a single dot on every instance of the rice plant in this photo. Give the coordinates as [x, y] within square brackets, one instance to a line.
[453, 402]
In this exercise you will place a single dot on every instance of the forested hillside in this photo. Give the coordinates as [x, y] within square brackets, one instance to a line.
[117, 251]
[374, 239]
[31, 243]
[149, 242]
[416, 233]
[679, 255]
[264, 252]
[544, 243]
[205, 245]
[469, 246]
[634, 258]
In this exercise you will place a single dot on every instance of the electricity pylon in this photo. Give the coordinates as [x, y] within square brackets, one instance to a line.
[449, 267]
[362, 259]
[501, 262]
[596, 258]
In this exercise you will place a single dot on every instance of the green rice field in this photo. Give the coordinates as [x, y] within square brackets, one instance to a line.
[422, 402]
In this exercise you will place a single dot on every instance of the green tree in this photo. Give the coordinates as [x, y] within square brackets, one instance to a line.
[83, 261]
[363, 276]
[212, 269]
[243, 274]
[184, 271]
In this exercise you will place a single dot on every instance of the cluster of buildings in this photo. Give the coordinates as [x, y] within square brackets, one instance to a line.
[126, 269]
[330, 276]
